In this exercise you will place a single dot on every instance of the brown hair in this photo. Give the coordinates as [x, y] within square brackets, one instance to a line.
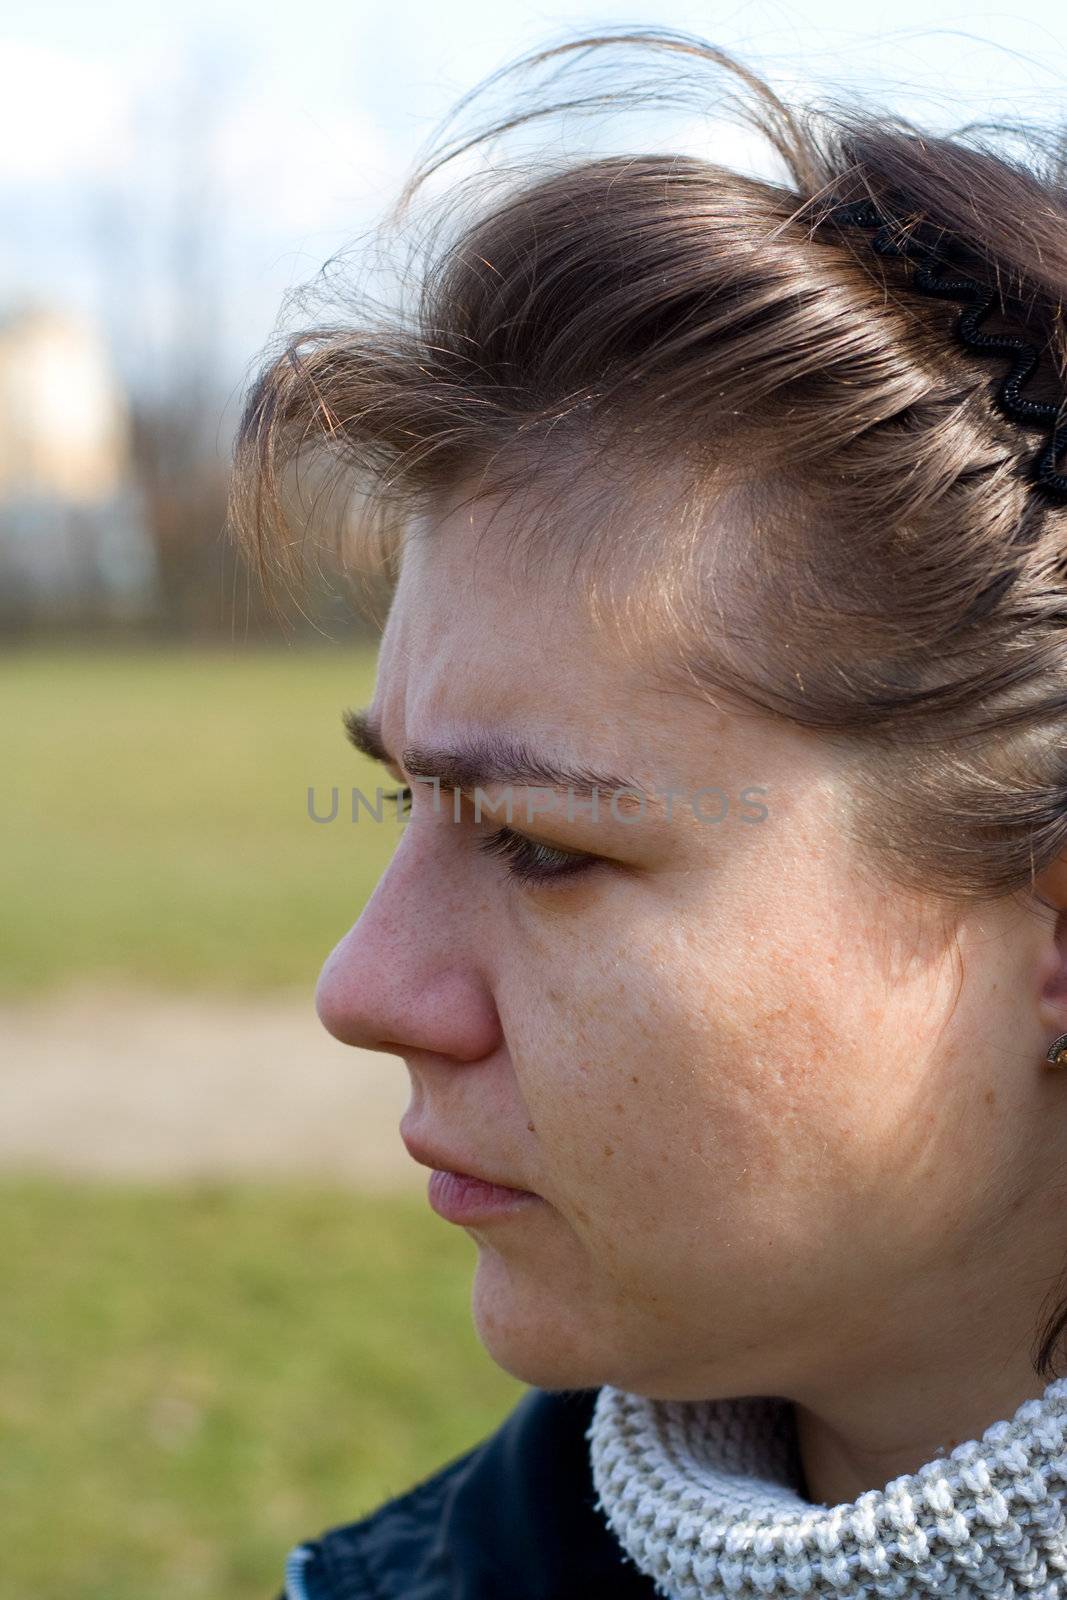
[904, 577]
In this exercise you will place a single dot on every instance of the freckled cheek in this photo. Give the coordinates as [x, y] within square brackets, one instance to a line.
[657, 1077]
[623, 1129]
[579, 1070]
[612, 1177]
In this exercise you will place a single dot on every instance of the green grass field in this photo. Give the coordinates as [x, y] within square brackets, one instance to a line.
[155, 815]
[190, 1382]
[193, 1380]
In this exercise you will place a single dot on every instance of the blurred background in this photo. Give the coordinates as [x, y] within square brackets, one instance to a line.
[229, 1318]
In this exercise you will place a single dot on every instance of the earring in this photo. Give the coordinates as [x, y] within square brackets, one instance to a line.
[1057, 1052]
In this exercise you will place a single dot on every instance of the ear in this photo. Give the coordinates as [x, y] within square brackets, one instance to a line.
[1050, 889]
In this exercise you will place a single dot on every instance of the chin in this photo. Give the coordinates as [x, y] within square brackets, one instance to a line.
[538, 1333]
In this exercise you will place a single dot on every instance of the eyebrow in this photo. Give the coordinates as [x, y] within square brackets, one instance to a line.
[476, 763]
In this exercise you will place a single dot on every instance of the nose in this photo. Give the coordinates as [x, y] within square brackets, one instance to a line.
[406, 976]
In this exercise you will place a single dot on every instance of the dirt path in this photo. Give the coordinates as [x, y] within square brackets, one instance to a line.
[120, 1083]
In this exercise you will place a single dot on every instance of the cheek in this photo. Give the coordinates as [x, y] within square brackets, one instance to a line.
[641, 1115]
[682, 1085]
[591, 1071]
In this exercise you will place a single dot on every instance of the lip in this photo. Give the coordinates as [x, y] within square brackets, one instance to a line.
[457, 1197]
[441, 1160]
[460, 1195]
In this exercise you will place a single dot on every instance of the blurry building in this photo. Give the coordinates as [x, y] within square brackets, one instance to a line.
[73, 541]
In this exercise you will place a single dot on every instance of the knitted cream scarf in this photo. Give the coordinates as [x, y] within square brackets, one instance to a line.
[704, 1497]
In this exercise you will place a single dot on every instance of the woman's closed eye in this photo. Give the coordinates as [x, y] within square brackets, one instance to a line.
[527, 860]
[531, 862]
[402, 797]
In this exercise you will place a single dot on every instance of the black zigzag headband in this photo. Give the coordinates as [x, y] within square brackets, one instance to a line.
[934, 275]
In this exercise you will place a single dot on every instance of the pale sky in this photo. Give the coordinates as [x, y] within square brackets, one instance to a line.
[301, 119]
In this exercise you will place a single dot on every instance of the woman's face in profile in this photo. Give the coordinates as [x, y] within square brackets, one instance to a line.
[770, 1129]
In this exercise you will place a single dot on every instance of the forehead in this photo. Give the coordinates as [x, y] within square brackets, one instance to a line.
[483, 633]
[486, 637]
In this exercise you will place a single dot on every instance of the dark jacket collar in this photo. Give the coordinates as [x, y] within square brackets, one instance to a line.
[512, 1519]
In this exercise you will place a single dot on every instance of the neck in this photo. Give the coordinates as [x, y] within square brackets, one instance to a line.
[930, 1365]
[878, 1436]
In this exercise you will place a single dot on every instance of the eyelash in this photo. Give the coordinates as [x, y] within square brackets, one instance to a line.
[403, 795]
[527, 860]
